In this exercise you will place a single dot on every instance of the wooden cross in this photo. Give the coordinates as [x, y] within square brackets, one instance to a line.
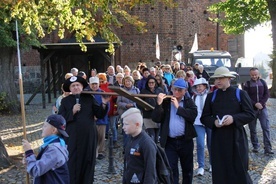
[133, 97]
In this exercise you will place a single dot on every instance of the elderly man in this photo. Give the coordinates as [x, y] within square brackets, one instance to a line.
[177, 115]
[74, 71]
[79, 110]
[101, 123]
[111, 76]
[226, 111]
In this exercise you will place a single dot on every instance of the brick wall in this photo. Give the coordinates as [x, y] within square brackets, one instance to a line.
[174, 27]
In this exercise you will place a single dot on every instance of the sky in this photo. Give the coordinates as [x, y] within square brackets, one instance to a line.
[258, 40]
[258, 46]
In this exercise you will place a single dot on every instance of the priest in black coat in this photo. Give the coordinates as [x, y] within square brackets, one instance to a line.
[79, 111]
[229, 142]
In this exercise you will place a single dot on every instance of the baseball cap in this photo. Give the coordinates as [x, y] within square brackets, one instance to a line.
[93, 80]
[58, 122]
[180, 83]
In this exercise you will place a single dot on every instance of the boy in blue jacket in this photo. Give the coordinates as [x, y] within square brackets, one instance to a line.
[50, 165]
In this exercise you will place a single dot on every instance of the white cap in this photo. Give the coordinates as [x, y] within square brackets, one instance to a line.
[152, 69]
[93, 80]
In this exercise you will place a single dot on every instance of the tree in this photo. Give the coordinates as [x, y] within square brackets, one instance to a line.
[81, 18]
[36, 18]
[238, 16]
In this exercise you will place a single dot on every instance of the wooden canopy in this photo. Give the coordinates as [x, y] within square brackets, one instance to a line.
[56, 59]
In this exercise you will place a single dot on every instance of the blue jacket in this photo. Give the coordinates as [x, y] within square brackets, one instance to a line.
[142, 83]
[169, 76]
[50, 165]
[103, 121]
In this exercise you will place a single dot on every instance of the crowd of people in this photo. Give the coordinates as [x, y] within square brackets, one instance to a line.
[186, 107]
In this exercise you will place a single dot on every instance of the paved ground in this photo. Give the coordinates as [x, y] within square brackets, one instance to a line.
[262, 168]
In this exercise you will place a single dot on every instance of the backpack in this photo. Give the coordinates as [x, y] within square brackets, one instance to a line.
[163, 168]
[238, 95]
[248, 83]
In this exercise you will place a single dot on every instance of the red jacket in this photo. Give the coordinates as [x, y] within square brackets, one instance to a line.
[113, 106]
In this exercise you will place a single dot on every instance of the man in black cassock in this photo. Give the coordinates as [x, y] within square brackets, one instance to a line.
[79, 111]
[229, 142]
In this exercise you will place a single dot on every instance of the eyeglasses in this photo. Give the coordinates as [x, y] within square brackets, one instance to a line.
[178, 89]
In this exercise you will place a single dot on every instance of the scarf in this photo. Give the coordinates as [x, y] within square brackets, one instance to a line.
[52, 138]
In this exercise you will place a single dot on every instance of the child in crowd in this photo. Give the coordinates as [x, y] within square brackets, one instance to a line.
[140, 151]
[50, 165]
[201, 89]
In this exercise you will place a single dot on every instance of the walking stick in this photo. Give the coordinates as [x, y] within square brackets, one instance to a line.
[21, 94]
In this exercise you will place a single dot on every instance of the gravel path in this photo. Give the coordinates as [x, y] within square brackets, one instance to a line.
[262, 168]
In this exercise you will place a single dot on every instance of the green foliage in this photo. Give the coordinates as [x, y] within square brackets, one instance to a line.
[237, 16]
[3, 103]
[81, 18]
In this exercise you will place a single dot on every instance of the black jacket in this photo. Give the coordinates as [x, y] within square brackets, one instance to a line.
[151, 101]
[161, 113]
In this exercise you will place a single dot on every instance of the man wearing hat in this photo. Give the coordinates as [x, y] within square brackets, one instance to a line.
[177, 115]
[53, 153]
[79, 111]
[101, 123]
[226, 115]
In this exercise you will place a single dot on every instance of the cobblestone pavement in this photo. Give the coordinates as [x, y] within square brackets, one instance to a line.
[262, 167]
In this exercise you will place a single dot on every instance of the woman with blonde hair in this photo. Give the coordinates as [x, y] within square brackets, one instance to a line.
[136, 76]
[123, 103]
[127, 71]
[176, 67]
[180, 74]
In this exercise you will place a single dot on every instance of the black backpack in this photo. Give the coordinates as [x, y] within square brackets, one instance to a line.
[163, 168]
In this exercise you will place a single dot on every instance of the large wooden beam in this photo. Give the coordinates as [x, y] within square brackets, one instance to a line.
[118, 91]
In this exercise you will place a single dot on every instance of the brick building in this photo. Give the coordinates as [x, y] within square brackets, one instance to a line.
[175, 26]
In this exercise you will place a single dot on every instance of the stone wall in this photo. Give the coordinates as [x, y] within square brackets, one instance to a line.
[31, 78]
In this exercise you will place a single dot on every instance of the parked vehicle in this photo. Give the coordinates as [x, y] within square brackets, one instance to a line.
[212, 59]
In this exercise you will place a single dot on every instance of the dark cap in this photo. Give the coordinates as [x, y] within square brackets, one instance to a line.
[69, 81]
[58, 122]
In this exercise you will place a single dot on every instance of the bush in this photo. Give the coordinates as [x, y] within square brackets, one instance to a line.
[3, 103]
